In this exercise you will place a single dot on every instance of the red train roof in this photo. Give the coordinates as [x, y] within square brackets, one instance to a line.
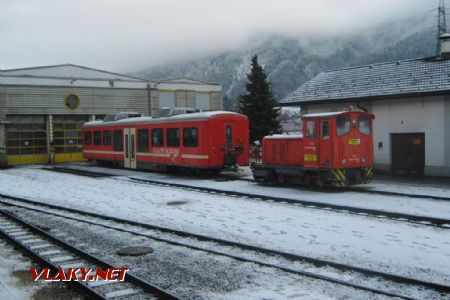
[200, 116]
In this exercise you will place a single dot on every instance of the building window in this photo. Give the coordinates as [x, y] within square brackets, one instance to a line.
[157, 137]
[107, 137]
[117, 139]
[202, 101]
[343, 125]
[311, 130]
[173, 137]
[364, 125]
[143, 140]
[167, 99]
[190, 137]
[88, 137]
[97, 137]
[72, 101]
[325, 132]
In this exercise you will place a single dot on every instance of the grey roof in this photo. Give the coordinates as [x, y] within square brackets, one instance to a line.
[392, 79]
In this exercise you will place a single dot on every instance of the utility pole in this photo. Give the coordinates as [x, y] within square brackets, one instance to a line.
[442, 26]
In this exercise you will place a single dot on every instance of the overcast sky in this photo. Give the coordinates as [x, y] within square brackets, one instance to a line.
[129, 35]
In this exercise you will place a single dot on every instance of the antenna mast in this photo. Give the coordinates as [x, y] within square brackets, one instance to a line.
[442, 26]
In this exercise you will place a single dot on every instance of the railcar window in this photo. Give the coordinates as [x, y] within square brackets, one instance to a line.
[143, 140]
[173, 137]
[190, 137]
[118, 142]
[364, 125]
[343, 125]
[97, 137]
[88, 137]
[311, 130]
[107, 137]
[157, 137]
[325, 132]
[229, 135]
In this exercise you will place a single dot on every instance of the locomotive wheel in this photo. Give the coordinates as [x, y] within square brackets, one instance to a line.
[307, 180]
[281, 179]
[320, 183]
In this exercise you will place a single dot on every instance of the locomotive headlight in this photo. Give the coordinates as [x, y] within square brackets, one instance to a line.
[363, 160]
[345, 161]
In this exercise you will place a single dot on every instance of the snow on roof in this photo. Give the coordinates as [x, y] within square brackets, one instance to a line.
[68, 71]
[407, 77]
[182, 117]
[284, 136]
[325, 114]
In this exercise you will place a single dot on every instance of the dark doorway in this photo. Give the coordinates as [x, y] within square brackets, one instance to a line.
[408, 152]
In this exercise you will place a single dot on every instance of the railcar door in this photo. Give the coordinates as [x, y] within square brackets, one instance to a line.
[325, 144]
[129, 140]
[311, 152]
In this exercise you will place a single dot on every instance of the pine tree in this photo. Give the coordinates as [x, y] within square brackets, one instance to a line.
[258, 104]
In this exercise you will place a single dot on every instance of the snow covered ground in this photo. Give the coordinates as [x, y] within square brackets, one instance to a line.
[191, 274]
[406, 205]
[397, 247]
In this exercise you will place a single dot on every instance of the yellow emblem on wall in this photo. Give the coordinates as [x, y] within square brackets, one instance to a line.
[72, 101]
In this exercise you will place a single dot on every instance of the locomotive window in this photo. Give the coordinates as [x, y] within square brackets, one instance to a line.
[157, 137]
[88, 137]
[364, 125]
[343, 125]
[325, 133]
[311, 130]
[97, 137]
[173, 137]
[107, 137]
[143, 140]
[190, 137]
[117, 140]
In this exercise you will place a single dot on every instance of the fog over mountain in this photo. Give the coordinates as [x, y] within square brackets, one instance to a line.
[290, 62]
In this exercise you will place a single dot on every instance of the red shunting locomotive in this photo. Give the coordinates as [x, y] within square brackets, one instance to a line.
[336, 149]
[191, 141]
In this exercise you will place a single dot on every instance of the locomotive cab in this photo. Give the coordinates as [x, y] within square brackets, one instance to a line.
[338, 147]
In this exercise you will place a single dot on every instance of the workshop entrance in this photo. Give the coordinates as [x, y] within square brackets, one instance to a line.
[408, 152]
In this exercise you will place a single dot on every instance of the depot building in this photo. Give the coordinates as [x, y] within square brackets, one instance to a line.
[411, 103]
[42, 109]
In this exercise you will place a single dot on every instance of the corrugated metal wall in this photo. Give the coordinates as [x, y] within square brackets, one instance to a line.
[3, 158]
[51, 100]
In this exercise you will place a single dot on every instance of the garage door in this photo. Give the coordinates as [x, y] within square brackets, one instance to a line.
[408, 152]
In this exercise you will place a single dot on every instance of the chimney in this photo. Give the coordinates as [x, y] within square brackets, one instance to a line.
[445, 46]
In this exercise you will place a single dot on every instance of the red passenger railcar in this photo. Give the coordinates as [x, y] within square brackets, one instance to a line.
[194, 141]
[336, 149]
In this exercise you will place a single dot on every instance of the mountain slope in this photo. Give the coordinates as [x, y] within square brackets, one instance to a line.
[290, 63]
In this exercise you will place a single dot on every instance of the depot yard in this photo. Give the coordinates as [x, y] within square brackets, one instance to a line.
[412, 250]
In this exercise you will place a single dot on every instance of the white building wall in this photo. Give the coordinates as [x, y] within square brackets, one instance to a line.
[430, 115]
[447, 135]
[410, 116]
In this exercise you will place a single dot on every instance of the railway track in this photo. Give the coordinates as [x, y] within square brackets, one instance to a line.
[51, 252]
[422, 220]
[139, 229]
[355, 189]
[417, 219]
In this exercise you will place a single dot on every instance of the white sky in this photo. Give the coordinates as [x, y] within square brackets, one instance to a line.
[129, 35]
